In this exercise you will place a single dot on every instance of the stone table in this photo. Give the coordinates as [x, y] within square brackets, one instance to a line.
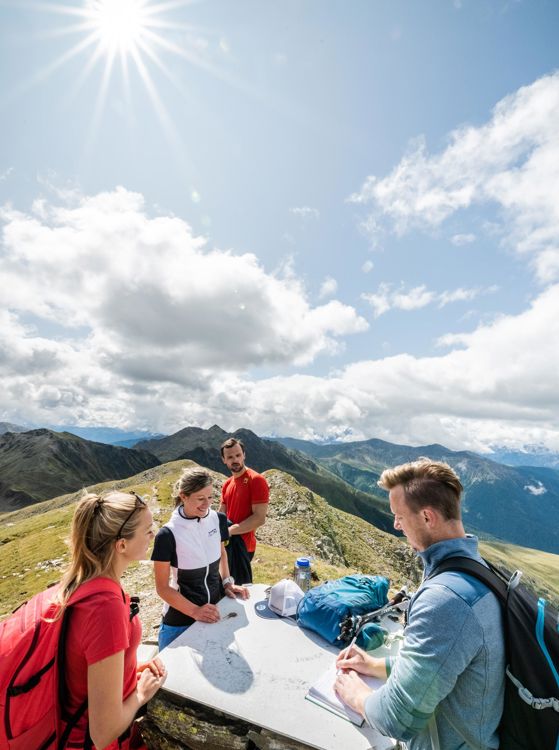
[241, 684]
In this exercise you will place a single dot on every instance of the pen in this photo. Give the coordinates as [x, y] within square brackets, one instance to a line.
[351, 644]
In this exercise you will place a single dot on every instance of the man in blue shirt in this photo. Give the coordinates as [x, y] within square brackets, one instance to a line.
[446, 687]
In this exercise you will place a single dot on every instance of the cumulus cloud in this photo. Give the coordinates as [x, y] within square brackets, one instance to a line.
[143, 299]
[512, 161]
[157, 329]
[328, 287]
[367, 266]
[499, 386]
[305, 212]
[153, 343]
[387, 298]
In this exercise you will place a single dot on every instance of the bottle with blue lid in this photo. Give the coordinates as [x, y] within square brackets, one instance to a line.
[302, 573]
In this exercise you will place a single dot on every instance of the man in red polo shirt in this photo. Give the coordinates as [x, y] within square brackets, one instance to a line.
[244, 499]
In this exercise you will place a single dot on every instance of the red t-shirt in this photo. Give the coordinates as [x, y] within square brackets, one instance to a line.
[239, 494]
[99, 626]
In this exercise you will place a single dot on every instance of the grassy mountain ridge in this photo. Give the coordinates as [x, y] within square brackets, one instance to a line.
[516, 504]
[203, 446]
[39, 464]
[33, 550]
[9, 427]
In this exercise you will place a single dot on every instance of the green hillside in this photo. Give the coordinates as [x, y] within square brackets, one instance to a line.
[40, 464]
[203, 447]
[33, 550]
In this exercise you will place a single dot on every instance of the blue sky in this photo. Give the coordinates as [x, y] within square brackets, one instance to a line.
[318, 219]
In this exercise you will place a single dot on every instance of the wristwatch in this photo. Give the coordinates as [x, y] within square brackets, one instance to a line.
[228, 580]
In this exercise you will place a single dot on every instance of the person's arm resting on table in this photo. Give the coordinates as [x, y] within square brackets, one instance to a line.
[354, 661]
[205, 613]
[441, 640]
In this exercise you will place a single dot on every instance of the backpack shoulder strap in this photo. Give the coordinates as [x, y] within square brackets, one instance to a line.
[489, 576]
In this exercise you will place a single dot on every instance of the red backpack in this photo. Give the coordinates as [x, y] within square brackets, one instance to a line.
[32, 671]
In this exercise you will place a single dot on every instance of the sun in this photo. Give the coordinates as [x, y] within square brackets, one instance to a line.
[120, 24]
[136, 36]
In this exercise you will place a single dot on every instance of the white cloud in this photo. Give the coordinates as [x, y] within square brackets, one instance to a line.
[367, 266]
[463, 239]
[140, 300]
[305, 212]
[537, 489]
[502, 385]
[328, 287]
[162, 328]
[387, 298]
[6, 173]
[512, 162]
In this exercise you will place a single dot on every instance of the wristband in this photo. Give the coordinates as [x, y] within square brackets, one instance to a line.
[228, 580]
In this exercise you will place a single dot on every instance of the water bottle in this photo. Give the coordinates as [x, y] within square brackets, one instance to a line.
[302, 573]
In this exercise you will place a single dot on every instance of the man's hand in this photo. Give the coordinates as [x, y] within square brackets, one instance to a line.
[232, 591]
[360, 661]
[207, 613]
[234, 529]
[352, 690]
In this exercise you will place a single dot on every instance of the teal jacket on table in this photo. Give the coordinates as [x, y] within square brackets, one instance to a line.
[451, 664]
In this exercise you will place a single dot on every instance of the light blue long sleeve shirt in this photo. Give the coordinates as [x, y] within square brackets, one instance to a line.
[451, 664]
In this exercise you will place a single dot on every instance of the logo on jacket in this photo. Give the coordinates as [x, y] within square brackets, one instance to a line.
[212, 531]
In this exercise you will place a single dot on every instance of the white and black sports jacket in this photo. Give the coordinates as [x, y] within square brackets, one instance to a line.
[192, 546]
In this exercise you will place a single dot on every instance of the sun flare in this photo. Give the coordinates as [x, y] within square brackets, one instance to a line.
[138, 37]
[119, 23]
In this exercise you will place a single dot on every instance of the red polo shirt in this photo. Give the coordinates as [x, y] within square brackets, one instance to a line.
[239, 494]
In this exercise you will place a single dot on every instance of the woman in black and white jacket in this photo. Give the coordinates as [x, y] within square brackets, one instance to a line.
[190, 560]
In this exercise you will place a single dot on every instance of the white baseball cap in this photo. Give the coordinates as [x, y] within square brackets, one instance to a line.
[284, 597]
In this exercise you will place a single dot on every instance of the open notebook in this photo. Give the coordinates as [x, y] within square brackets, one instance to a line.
[322, 693]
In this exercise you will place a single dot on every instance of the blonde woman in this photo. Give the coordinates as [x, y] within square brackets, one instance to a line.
[108, 533]
[190, 561]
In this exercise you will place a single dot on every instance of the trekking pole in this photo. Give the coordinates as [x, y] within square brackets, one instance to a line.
[351, 625]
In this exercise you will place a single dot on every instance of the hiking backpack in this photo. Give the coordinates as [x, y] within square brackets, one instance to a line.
[32, 681]
[530, 718]
[324, 608]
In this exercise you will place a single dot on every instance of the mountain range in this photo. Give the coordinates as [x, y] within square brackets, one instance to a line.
[529, 455]
[203, 447]
[33, 550]
[518, 504]
[40, 464]
[109, 435]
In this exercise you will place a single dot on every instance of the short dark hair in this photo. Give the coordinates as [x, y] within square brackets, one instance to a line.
[231, 443]
[427, 483]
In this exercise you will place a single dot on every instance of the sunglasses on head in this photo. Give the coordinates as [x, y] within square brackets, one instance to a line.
[138, 506]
